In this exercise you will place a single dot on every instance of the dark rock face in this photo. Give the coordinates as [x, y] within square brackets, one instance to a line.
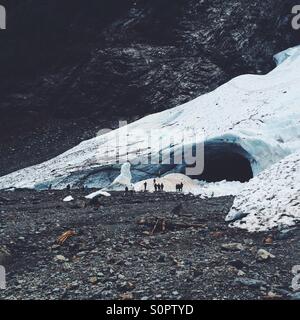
[69, 68]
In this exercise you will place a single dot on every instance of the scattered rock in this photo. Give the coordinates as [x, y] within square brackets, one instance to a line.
[73, 285]
[248, 282]
[268, 240]
[241, 273]
[126, 296]
[93, 280]
[272, 296]
[162, 258]
[237, 264]
[263, 255]
[248, 242]
[5, 256]
[285, 234]
[233, 247]
[217, 234]
[60, 258]
[295, 296]
[4, 200]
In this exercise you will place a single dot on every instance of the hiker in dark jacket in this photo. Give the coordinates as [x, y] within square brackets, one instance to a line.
[181, 187]
[155, 187]
[162, 187]
[145, 186]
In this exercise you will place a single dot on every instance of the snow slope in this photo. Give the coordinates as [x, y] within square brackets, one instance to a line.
[272, 199]
[258, 113]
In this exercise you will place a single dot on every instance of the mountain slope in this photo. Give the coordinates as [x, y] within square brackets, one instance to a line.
[69, 69]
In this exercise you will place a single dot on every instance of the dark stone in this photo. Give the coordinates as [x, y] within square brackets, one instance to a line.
[237, 264]
[249, 282]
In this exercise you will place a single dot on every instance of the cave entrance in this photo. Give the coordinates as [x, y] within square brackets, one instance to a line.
[226, 161]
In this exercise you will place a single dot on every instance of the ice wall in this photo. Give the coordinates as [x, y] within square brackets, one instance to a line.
[270, 200]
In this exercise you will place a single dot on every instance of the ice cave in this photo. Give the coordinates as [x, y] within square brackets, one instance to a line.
[226, 161]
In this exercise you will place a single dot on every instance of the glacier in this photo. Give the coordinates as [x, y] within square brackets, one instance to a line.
[254, 117]
[271, 199]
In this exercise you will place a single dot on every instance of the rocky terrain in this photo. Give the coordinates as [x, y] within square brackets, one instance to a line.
[69, 69]
[138, 246]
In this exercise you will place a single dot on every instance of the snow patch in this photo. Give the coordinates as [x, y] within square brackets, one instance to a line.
[98, 193]
[68, 199]
[220, 189]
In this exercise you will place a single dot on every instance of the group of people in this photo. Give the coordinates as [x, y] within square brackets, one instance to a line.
[160, 186]
[157, 186]
[179, 187]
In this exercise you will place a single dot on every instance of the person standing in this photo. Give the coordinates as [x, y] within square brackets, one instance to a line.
[145, 186]
[181, 187]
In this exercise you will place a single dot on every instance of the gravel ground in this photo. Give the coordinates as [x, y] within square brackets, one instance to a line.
[138, 246]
